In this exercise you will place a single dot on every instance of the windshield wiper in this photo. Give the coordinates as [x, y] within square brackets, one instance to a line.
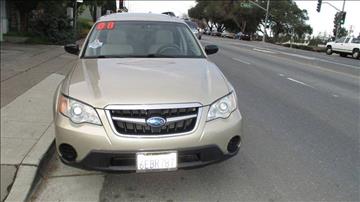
[159, 56]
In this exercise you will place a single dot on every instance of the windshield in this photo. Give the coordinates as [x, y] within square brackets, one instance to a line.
[141, 39]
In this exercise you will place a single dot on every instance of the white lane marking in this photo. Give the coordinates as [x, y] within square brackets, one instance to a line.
[242, 61]
[300, 56]
[297, 55]
[336, 63]
[334, 95]
[262, 50]
[299, 82]
[282, 75]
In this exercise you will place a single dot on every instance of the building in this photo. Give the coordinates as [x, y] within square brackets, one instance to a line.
[4, 20]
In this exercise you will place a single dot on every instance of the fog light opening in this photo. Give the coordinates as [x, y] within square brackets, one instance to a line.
[67, 152]
[234, 144]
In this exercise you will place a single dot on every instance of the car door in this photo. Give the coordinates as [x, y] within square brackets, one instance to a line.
[345, 46]
[338, 44]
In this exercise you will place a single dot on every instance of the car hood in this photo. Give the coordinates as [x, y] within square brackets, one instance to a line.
[102, 82]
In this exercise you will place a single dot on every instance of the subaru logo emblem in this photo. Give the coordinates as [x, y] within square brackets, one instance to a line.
[156, 121]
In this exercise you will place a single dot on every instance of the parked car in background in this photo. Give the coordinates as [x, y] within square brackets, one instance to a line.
[215, 33]
[344, 46]
[227, 34]
[242, 36]
[207, 32]
[194, 28]
[169, 13]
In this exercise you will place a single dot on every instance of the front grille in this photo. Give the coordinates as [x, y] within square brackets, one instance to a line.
[133, 121]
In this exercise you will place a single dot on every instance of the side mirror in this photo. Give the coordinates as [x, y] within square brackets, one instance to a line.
[72, 49]
[211, 49]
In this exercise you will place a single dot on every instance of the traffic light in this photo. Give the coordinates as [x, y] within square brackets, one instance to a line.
[336, 23]
[318, 8]
[342, 17]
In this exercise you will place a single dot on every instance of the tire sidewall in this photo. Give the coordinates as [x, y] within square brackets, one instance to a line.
[328, 50]
[356, 54]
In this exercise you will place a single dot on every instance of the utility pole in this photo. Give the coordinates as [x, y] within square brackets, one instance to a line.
[266, 19]
[266, 16]
[74, 18]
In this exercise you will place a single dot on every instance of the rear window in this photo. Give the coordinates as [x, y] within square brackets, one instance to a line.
[141, 39]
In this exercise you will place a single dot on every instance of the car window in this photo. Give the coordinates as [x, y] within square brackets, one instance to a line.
[191, 24]
[354, 40]
[341, 40]
[347, 40]
[142, 39]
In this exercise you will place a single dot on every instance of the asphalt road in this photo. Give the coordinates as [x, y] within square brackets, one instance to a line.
[301, 137]
[301, 133]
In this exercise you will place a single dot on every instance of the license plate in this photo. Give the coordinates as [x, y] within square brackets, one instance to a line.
[156, 161]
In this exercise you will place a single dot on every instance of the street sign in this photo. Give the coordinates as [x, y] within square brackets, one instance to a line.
[245, 5]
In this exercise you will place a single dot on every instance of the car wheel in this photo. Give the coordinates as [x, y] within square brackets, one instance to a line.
[356, 54]
[343, 54]
[329, 50]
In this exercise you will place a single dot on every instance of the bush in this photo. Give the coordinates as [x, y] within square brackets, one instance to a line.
[51, 24]
[303, 47]
[316, 41]
[84, 27]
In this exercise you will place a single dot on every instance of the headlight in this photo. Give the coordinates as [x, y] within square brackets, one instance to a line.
[77, 112]
[223, 107]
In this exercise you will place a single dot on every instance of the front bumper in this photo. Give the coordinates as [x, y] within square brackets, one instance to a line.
[126, 160]
[97, 146]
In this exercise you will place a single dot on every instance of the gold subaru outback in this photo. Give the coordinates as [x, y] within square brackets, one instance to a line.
[143, 96]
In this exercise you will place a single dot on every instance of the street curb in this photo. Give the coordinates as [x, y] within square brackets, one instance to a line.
[42, 166]
[29, 176]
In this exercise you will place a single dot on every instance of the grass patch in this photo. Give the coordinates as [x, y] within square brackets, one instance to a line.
[308, 48]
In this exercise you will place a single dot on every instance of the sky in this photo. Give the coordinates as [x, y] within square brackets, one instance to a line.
[320, 22]
[324, 21]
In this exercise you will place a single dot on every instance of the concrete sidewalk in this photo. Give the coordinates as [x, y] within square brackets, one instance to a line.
[27, 88]
[24, 65]
[26, 135]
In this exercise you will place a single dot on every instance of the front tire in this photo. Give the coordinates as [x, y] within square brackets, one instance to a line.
[356, 54]
[329, 50]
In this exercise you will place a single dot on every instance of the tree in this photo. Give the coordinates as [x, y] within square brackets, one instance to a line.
[25, 7]
[288, 17]
[198, 12]
[342, 32]
[108, 5]
[210, 12]
[240, 15]
[104, 4]
[51, 22]
[247, 19]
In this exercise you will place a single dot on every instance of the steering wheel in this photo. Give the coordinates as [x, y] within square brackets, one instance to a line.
[169, 49]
